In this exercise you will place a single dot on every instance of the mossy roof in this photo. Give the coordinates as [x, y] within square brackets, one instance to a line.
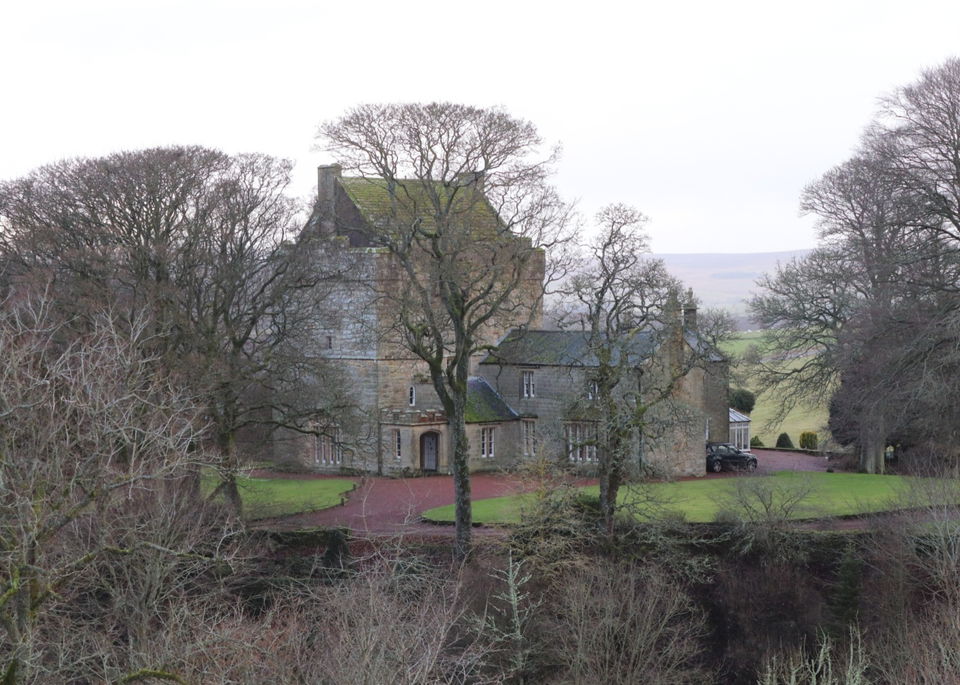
[484, 404]
[411, 200]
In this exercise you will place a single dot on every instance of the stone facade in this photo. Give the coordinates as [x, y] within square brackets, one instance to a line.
[548, 381]
[399, 424]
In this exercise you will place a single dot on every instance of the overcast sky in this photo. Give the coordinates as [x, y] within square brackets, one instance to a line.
[710, 117]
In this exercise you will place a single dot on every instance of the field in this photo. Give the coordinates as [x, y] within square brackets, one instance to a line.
[798, 420]
[819, 494]
[270, 497]
[741, 342]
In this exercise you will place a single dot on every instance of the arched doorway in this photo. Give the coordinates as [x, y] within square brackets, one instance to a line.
[429, 450]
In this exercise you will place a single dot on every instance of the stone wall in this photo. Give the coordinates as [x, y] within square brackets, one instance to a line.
[507, 447]
[716, 402]
[677, 426]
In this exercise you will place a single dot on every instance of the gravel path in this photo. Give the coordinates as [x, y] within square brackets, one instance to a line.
[386, 506]
[769, 461]
[390, 506]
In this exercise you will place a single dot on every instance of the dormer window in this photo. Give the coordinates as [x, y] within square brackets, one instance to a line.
[412, 396]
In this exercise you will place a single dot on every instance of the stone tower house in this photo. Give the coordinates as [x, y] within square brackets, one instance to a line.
[516, 404]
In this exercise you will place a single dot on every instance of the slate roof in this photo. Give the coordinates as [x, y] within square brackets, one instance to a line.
[697, 343]
[737, 417]
[411, 200]
[559, 348]
[571, 348]
[484, 404]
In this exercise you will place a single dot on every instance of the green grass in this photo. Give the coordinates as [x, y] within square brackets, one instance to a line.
[798, 420]
[830, 494]
[741, 342]
[269, 497]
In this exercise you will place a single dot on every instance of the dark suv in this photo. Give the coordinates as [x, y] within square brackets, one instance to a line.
[723, 455]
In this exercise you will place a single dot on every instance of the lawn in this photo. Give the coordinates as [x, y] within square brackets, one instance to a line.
[741, 342]
[827, 494]
[269, 497]
[798, 420]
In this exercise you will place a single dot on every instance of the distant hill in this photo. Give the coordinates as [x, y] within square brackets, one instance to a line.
[725, 280]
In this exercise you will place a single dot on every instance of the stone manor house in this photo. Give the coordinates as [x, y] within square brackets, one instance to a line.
[530, 396]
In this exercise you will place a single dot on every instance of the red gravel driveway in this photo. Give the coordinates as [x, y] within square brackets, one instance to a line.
[769, 461]
[393, 505]
[385, 506]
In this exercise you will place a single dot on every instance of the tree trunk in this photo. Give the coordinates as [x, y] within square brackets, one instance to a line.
[872, 446]
[609, 486]
[611, 477]
[460, 464]
[228, 473]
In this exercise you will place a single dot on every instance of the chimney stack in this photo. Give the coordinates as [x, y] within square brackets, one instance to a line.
[327, 177]
[690, 312]
[472, 178]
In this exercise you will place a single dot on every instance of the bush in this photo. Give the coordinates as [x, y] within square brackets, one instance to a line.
[727, 517]
[755, 441]
[625, 623]
[742, 400]
[808, 440]
[783, 440]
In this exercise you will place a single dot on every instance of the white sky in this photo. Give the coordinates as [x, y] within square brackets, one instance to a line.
[710, 117]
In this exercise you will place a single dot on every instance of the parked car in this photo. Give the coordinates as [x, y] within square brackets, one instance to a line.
[723, 455]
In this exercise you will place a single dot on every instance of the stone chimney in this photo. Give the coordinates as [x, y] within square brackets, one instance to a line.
[690, 312]
[327, 178]
[673, 323]
[472, 178]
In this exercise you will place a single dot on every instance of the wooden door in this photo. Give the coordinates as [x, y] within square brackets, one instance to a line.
[428, 451]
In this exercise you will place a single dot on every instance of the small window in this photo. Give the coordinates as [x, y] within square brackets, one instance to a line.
[529, 437]
[328, 450]
[398, 445]
[593, 390]
[528, 387]
[487, 442]
[581, 439]
[329, 342]
[412, 396]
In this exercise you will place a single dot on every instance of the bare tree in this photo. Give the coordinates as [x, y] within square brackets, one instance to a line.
[639, 349]
[863, 222]
[921, 121]
[468, 220]
[626, 623]
[94, 443]
[200, 243]
[867, 319]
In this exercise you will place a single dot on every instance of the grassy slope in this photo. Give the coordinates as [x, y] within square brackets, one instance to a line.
[268, 497]
[741, 341]
[830, 494]
[800, 419]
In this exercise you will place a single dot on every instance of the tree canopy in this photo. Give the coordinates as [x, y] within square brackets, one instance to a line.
[869, 318]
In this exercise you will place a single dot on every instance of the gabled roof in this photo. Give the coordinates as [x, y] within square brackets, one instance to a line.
[737, 417]
[700, 346]
[411, 200]
[484, 404]
[562, 348]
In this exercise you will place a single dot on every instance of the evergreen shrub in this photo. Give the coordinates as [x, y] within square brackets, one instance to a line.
[808, 440]
[783, 440]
